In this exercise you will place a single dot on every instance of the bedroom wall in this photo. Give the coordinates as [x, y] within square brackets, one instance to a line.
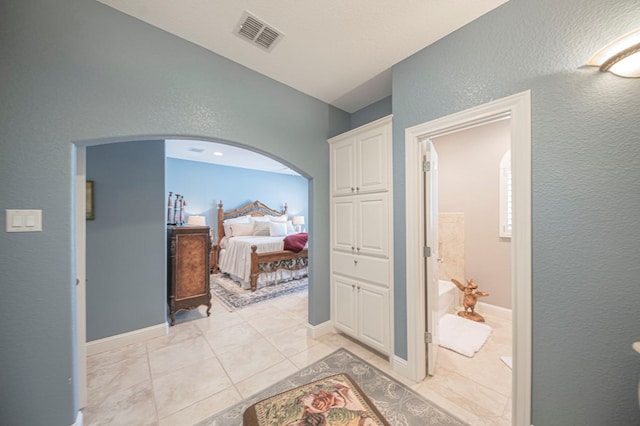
[585, 148]
[126, 242]
[80, 72]
[204, 185]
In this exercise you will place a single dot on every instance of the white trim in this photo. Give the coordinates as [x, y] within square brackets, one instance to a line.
[380, 121]
[494, 311]
[400, 366]
[518, 109]
[79, 419]
[315, 331]
[125, 339]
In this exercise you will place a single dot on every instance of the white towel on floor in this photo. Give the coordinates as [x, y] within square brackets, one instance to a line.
[462, 335]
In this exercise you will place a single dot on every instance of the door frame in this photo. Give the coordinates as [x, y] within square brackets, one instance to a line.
[518, 109]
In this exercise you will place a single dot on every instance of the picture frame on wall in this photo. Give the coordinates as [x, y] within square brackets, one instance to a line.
[90, 204]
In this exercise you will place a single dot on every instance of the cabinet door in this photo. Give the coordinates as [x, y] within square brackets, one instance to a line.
[343, 214]
[343, 175]
[372, 221]
[373, 159]
[344, 305]
[373, 316]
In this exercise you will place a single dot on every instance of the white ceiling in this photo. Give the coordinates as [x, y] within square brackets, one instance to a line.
[232, 156]
[338, 51]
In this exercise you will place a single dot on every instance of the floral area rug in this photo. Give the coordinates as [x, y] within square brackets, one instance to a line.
[233, 297]
[398, 404]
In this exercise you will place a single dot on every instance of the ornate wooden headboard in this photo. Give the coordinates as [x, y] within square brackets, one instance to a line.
[255, 208]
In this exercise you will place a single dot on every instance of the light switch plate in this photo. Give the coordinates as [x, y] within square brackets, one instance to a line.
[24, 220]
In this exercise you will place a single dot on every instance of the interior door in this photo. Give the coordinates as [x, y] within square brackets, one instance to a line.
[430, 162]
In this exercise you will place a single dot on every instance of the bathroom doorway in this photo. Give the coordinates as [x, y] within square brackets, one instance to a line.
[516, 109]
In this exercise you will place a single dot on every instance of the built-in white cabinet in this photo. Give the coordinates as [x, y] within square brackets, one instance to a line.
[361, 224]
[360, 161]
[362, 311]
[361, 234]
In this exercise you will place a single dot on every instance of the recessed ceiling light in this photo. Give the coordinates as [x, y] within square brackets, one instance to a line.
[198, 150]
[218, 154]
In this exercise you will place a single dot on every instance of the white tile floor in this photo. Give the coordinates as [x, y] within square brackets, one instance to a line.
[206, 364]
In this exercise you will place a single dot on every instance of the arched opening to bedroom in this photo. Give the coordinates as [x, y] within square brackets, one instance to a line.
[123, 298]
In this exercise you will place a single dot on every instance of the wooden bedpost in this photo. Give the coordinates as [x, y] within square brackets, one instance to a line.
[253, 278]
[220, 222]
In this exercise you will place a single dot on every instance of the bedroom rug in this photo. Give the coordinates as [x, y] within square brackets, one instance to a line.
[399, 404]
[463, 335]
[233, 297]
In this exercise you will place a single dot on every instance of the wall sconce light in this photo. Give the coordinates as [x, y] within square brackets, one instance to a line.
[620, 57]
[196, 220]
[298, 221]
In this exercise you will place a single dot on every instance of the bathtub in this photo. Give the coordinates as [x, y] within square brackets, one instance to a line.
[447, 296]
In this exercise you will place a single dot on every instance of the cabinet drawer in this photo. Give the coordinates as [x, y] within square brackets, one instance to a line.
[371, 269]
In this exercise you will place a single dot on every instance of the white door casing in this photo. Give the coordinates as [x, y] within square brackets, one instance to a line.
[518, 109]
[430, 168]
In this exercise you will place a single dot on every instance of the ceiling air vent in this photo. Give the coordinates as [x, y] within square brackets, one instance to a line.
[258, 32]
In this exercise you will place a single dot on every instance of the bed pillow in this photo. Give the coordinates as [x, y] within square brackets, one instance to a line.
[257, 219]
[261, 229]
[242, 229]
[290, 228]
[227, 223]
[282, 218]
[296, 242]
[277, 229]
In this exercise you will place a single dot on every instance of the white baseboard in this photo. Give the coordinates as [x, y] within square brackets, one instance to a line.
[124, 339]
[315, 331]
[79, 419]
[400, 366]
[493, 310]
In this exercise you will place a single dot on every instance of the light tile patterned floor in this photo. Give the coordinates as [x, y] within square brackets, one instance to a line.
[206, 364]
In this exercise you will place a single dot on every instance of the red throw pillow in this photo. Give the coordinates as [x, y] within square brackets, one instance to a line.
[296, 242]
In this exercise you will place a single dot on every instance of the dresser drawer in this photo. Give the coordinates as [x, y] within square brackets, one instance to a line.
[367, 268]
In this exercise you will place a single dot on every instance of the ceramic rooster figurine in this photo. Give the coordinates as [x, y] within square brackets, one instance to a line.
[471, 294]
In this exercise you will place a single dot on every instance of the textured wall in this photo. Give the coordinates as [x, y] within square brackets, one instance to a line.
[372, 112]
[126, 245]
[585, 183]
[77, 71]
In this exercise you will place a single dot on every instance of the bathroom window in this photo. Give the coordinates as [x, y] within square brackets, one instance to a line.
[506, 191]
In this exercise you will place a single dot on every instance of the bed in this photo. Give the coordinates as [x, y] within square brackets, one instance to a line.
[251, 246]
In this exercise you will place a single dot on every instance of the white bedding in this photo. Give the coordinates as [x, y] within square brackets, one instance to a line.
[235, 259]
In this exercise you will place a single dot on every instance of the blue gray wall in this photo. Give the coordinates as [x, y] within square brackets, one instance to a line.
[80, 72]
[586, 186]
[126, 242]
[204, 185]
[372, 112]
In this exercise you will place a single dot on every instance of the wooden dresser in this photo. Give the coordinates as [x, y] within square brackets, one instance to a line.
[188, 249]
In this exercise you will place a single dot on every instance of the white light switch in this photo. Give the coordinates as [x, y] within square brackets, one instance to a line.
[24, 220]
[16, 221]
